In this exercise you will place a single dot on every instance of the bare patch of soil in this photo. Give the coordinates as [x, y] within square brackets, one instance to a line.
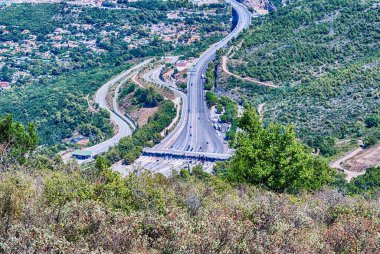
[142, 115]
[363, 160]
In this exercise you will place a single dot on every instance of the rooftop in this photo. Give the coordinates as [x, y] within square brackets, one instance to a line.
[81, 153]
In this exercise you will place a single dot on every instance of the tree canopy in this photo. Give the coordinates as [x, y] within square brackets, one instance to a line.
[15, 141]
[271, 156]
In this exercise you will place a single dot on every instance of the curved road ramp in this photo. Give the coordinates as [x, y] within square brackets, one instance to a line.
[194, 140]
[125, 125]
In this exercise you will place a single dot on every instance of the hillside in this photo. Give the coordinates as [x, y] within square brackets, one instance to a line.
[325, 57]
[74, 211]
[55, 56]
[273, 196]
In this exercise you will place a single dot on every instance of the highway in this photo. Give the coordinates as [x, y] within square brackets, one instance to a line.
[194, 136]
[125, 125]
[154, 77]
[198, 134]
[194, 132]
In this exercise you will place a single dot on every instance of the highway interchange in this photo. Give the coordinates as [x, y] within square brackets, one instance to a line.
[194, 132]
[125, 125]
[198, 134]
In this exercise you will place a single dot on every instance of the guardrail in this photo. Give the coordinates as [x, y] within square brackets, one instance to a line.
[185, 154]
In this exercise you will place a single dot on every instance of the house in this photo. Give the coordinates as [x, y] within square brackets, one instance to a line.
[194, 38]
[4, 85]
[82, 155]
[80, 140]
[182, 65]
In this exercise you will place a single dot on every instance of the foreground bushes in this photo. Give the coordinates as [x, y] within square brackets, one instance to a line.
[47, 206]
[271, 156]
[72, 211]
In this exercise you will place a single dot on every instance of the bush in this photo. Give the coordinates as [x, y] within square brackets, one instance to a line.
[272, 157]
[369, 141]
[372, 120]
[81, 211]
[16, 141]
[149, 97]
[211, 98]
[367, 184]
[182, 86]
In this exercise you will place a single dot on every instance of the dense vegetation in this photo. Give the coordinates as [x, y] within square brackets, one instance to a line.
[36, 21]
[130, 148]
[59, 106]
[139, 96]
[88, 211]
[58, 79]
[16, 141]
[230, 114]
[325, 55]
[211, 99]
[148, 97]
[308, 39]
[272, 157]
[367, 184]
[210, 76]
[47, 206]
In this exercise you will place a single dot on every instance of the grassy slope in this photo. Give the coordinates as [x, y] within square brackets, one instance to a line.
[326, 55]
[83, 211]
[59, 102]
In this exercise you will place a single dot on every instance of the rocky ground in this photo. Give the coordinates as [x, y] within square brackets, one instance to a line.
[365, 159]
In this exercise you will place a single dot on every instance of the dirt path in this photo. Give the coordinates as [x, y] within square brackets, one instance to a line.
[89, 104]
[225, 69]
[369, 157]
[135, 79]
[261, 110]
[338, 164]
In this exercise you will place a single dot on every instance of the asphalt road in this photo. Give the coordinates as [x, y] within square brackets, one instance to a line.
[195, 131]
[198, 134]
[125, 126]
[154, 77]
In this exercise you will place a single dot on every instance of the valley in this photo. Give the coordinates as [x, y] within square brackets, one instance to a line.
[189, 126]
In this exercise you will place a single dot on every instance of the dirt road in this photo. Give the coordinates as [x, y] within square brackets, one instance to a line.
[338, 164]
[249, 79]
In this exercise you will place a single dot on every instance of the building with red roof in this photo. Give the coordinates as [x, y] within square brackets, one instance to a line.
[4, 85]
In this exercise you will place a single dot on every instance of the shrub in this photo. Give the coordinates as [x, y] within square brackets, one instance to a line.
[372, 120]
[272, 157]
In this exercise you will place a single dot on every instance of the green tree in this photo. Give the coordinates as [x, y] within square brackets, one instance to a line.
[367, 184]
[149, 97]
[273, 157]
[369, 141]
[61, 188]
[210, 76]
[211, 98]
[372, 120]
[114, 192]
[16, 141]
[101, 163]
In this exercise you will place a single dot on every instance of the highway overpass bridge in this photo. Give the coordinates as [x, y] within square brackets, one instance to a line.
[185, 154]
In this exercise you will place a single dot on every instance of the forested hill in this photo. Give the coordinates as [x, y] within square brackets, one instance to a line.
[55, 56]
[307, 39]
[325, 56]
